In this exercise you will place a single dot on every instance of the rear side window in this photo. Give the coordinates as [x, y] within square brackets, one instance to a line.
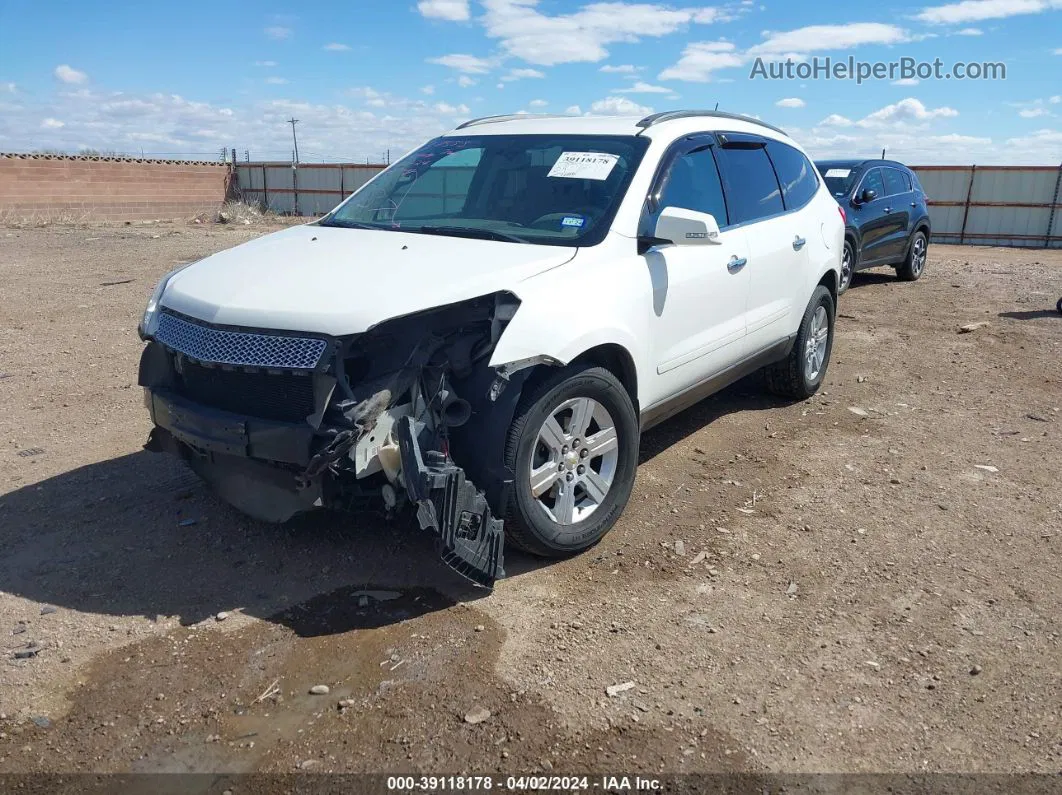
[693, 184]
[795, 173]
[872, 181]
[906, 180]
[752, 187]
[894, 183]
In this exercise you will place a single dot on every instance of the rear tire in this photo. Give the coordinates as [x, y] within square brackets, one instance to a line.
[800, 374]
[915, 264]
[573, 447]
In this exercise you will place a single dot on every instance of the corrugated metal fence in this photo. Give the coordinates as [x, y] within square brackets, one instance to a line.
[994, 205]
[312, 189]
[979, 205]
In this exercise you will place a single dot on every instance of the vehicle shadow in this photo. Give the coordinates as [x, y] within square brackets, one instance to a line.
[871, 276]
[140, 535]
[1032, 314]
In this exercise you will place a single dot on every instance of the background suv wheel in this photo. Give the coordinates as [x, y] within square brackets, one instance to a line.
[847, 268]
[574, 448]
[915, 264]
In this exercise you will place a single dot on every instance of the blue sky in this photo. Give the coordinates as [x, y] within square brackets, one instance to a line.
[363, 77]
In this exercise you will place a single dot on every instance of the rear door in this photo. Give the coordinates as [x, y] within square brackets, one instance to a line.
[898, 208]
[776, 239]
[699, 292]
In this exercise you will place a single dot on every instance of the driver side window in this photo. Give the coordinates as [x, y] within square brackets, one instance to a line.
[693, 183]
[873, 182]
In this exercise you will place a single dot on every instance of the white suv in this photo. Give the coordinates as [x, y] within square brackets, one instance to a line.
[484, 329]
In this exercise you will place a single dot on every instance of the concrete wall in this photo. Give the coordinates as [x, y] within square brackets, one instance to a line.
[83, 188]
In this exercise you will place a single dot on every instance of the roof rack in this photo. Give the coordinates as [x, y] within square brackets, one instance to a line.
[671, 115]
[508, 117]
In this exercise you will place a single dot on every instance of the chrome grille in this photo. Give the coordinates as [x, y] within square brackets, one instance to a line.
[243, 348]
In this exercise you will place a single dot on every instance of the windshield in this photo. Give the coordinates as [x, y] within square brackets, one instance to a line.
[545, 189]
[839, 179]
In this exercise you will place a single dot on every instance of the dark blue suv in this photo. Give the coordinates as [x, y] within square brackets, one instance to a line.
[886, 217]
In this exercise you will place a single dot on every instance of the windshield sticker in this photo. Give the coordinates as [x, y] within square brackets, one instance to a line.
[583, 165]
[838, 172]
[573, 221]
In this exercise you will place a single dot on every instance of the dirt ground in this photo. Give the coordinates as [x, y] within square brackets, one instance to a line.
[868, 581]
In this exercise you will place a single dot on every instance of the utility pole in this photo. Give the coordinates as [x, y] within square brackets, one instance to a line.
[293, 121]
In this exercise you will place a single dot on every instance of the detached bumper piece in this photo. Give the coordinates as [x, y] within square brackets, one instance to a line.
[468, 538]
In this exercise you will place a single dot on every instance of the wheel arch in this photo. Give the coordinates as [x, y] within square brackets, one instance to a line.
[829, 281]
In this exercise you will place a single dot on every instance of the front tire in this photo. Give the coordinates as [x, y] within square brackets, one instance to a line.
[573, 447]
[800, 374]
[915, 264]
[847, 268]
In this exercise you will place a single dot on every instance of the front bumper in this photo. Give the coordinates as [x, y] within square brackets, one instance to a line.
[212, 430]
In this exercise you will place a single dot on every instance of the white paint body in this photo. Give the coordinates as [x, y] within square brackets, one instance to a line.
[678, 310]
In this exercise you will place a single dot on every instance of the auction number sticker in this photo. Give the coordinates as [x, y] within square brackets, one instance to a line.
[583, 165]
[838, 172]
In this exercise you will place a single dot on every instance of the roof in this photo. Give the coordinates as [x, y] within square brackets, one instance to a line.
[858, 163]
[667, 127]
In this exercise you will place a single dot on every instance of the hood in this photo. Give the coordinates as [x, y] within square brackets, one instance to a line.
[344, 281]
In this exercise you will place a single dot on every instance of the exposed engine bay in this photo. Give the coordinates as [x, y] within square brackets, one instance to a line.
[406, 414]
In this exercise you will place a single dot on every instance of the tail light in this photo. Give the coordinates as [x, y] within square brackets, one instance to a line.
[844, 215]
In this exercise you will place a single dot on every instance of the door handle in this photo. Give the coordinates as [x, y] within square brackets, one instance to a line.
[798, 243]
[914, 204]
[736, 263]
[888, 210]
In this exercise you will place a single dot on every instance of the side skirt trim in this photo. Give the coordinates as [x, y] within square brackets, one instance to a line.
[669, 407]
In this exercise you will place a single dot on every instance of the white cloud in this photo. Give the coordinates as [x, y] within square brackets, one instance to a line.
[337, 47]
[1058, 51]
[537, 103]
[465, 81]
[978, 10]
[429, 90]
[573, 110]
[265, 64]
[1056, 99]
[10, 88]
[970, 32]
[790, 102]
[452, 10]
[641, 87]
[906, 81]
[700, 60]
[70, 75]
[835, 120]
[1032, 113]
[829, 37]
[278, 32]
[620, 69]
[905, 111]
[522, 74]
[444, 107]
[52, 124]
[527, 33]
[277, 81]
[468, 64]
[619, 106]
[1041, 146]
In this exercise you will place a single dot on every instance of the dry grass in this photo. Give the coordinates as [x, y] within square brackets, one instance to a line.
[35, 219]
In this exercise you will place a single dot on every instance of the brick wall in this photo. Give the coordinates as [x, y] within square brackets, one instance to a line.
[80, 188]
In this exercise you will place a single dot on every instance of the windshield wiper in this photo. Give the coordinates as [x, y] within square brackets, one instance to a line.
[348, 224]
[468, 231]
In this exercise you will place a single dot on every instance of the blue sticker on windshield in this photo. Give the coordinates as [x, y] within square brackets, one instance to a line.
[573, 220]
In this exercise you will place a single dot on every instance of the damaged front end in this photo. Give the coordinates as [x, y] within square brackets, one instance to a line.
[406, 413]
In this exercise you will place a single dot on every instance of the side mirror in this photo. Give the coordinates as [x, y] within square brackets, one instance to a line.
[686, 227]
[867, 196]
